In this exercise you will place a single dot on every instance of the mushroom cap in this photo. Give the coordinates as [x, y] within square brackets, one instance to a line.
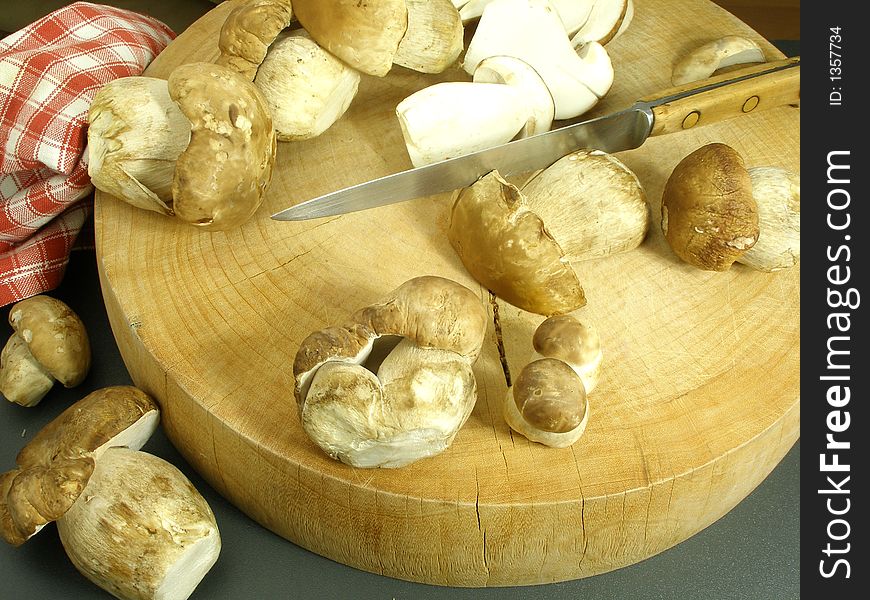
[565, 338]
[54, 467]
[232, 132]
[709, 216]
[248, 31]
[365, 35]
[55, 336]
[22, 379]
[508, 249]
[706, 59]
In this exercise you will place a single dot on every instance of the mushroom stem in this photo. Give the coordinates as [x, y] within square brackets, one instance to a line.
[433, 40]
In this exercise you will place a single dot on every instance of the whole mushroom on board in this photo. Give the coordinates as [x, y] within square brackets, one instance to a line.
[49, 344]
[777, 192]
[413, 403]
[248, 31]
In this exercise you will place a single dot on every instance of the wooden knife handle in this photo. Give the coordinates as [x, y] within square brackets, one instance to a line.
[743, 91]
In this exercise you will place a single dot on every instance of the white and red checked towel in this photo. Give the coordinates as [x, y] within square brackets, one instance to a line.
[49, 73]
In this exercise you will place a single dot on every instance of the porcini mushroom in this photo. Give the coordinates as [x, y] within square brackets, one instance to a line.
[706, 59]
[49, 344]
[532, 31]
[433, 40]
[204, 114]
[709, 216]
[306, 88]
[565, 338]
[573, 13]
[606, 21]
[248, 31]
[515, 72]
[421, 393]
[139, 529]
[777, 192]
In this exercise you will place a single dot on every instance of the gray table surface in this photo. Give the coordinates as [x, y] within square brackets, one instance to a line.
[751, 553]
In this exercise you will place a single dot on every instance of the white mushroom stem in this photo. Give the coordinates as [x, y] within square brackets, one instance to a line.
[450, 119]
[434, 39]
[515, 72]
[777, 193]
[705, 60]
[139, 529]
[532, 31]
[573, 13]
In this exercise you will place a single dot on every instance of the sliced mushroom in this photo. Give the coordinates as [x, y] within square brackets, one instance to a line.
[139, 529]
[433, 40]
[709, 216]
[532, 31]
[305, 87]
[365, 35]
[705, 60]
[50, 344]
[453, 118]
[777, 192]
[424, 388]
[573, 13]
[565, 338]
[248, 31]
[607, 20]
[515, 72]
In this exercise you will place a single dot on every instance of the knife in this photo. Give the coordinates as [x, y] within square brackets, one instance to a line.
[747, 90]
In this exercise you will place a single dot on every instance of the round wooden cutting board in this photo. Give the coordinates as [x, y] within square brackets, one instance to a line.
[698, 399]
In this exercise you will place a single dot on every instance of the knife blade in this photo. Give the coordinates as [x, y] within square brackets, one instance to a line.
[746, 90]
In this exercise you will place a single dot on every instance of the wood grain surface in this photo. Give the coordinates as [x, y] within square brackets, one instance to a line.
[698, 399]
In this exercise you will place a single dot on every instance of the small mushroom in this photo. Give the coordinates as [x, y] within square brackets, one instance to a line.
[434, 38]
[248, 31]
[139, 529]
[548, 404]
[305, 87]
[565, 338]
[411, 405]
[607, 20]
[148, 140]
[532, 31]
[515, 72]
[365, 35]
[453, 118]
[705, 60]
[50, 344]
[573, 13]
[777, 192]
[709, 216]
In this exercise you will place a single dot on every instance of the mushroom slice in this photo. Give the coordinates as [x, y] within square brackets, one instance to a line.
[507, 248]
[705, 60]
[604, 22]
[248, 31]
[140, 529]
[548, 404]
[54, 467]
[232, 133]
[515, 72]
[565, 338]
[709, 216]
[434, 38]
[365, 35]
[777, 192]
[305, 87]
[592, 204]
[50, 343]
[424, 388]
[573, 13]
[453, 118]
[532, 31]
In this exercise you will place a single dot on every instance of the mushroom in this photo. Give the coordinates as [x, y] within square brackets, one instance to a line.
[705, 60]
[365, 35]
[54, 467]
[49, 344]
[607, 20]
[565, 338]
[305, 87]
[777, 192]
[453, 118]
[532, 31]
[515, 72]
[709, 216]
[573, 13]
[411, 405]
[248, 31]
[434, 38]
[139, 529]
[148, 140]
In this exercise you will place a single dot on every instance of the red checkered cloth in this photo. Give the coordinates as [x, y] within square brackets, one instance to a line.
[49, 73]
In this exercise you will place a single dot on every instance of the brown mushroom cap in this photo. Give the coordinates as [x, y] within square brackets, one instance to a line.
[565, 338]
[248, 31]
[55, 336]
[550, 396]
[508, 249]
[365, 35]
[709, 216]
[232, 133]
[8, 529]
